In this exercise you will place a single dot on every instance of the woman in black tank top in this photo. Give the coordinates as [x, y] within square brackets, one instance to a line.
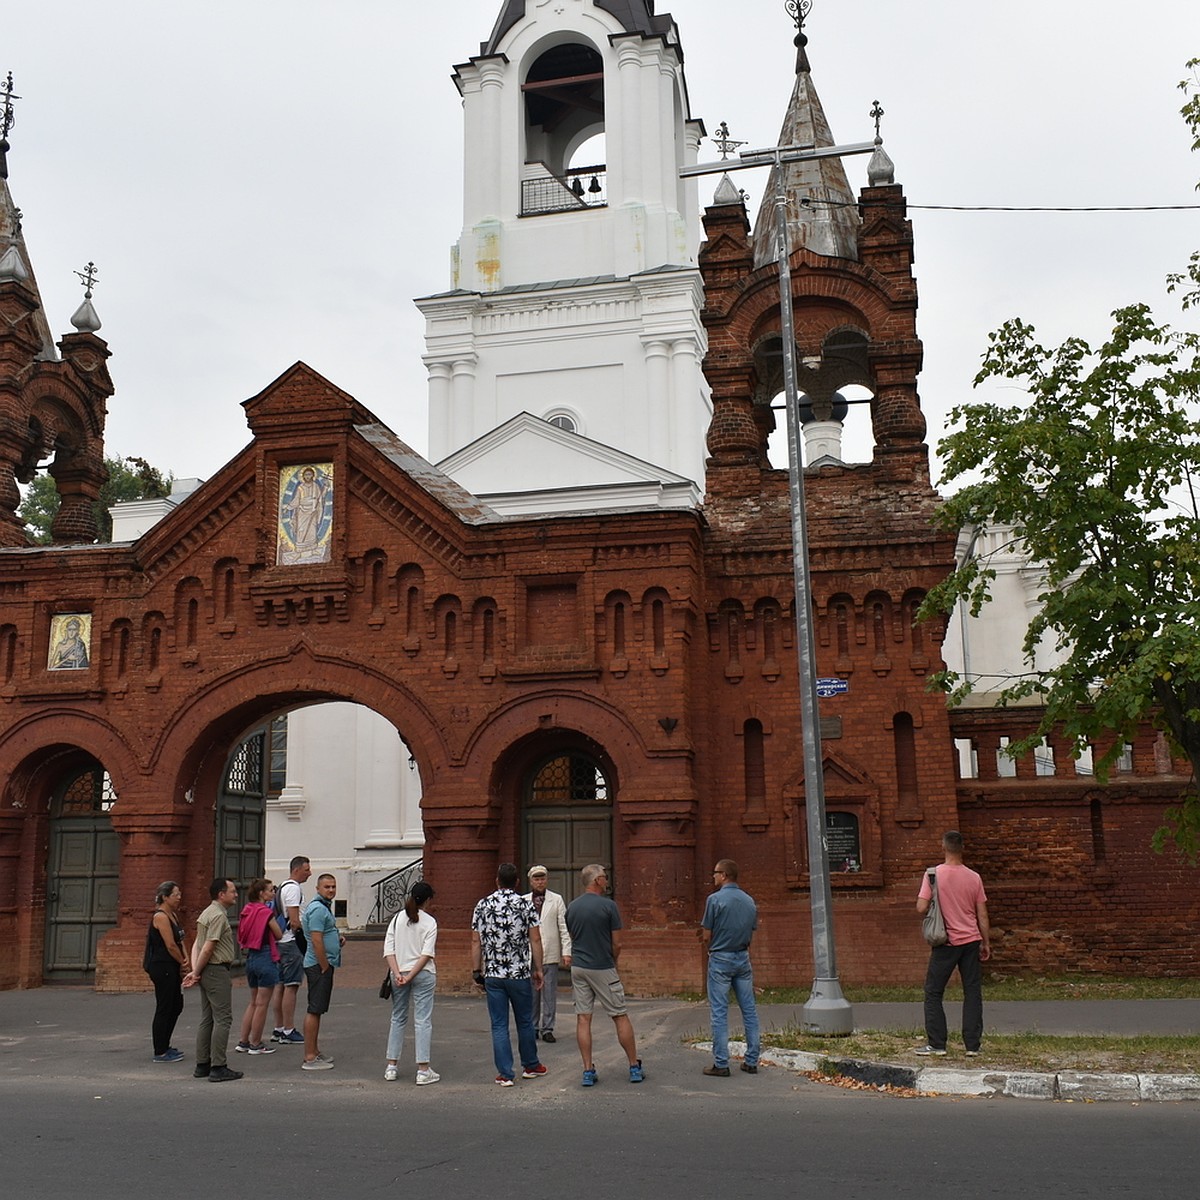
[166, 962]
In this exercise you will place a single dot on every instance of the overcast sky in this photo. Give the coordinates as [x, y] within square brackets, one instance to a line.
[261, 181]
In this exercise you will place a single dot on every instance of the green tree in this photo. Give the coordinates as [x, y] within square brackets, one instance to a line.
[1097, 473]
[128, 479]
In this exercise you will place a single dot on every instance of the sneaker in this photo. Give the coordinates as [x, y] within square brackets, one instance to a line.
[391, 1073]
[636, 1074]
[750, 1069]
[292, 1037]
[590, 1078]
[548, 1036]
[973, 1053]
[278, 1035]
[169, 1056]
[534, 1072]
[720, 1072]
[223, 1075]
[202, 1071]
[317, 1064]
[504, 1081]
[927, 1051]
[429, 1075]
[243, 1047]
[262, 1048]
[325, 1057]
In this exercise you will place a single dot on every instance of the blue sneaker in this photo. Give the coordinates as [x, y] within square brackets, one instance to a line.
[590, 1078]
[170, 1056]
[293, 1037]
[636, 1074]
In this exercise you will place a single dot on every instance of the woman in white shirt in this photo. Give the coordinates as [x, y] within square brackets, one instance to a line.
[409, 947]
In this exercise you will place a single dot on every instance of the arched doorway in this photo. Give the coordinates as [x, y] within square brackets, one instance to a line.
[82, 874]
[567, 818]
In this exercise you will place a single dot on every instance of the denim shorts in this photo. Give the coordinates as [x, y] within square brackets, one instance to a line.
[291, 964]
[261, 972]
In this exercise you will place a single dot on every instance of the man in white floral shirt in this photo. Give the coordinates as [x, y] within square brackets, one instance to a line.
[506, 961]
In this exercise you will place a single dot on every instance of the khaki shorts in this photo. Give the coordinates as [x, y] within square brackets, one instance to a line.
[605, 986]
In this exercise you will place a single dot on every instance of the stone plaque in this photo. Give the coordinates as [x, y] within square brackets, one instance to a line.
[842, 843]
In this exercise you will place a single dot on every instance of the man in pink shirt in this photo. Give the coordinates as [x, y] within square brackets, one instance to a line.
[964, 910]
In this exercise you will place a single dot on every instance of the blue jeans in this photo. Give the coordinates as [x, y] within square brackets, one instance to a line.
[519, 994]
[942, 961]
[419, 991]
[731, 969]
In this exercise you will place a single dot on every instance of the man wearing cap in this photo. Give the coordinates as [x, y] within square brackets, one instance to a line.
[556, 949]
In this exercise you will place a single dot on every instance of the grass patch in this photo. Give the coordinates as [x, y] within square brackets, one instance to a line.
[1011, 987]
[1019, 1051]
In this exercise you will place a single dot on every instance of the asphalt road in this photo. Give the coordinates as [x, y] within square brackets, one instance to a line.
[87, 1113]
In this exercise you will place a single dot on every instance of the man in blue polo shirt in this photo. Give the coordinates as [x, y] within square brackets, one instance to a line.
[323, 955]
[730, 919]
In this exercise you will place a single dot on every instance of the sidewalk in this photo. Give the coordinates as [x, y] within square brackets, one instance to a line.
[65, 1032]
[1063, 1018]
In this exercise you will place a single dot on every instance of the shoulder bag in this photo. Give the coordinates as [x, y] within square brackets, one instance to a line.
[933, 927]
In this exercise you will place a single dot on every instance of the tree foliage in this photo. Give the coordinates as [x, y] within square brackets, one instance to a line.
[1098, 474]
[128, 479]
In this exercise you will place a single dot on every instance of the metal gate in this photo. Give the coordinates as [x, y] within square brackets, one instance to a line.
[82, 875]
[568, 820]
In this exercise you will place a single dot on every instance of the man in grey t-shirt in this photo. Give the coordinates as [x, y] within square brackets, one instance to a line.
[595, 927]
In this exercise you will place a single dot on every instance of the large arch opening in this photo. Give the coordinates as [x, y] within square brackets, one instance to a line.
[564, 127]
[336, 782]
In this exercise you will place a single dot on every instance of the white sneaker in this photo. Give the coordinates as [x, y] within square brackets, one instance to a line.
[429, 1075]
[392, 1072]
[316, 1064]
[930, 1051]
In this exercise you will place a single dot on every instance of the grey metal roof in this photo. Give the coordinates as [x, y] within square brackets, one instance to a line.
[636, 16]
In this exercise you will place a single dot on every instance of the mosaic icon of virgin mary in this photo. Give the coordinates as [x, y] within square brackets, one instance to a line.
[69, 635]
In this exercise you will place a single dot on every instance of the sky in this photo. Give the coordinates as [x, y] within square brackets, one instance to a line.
[262, 181]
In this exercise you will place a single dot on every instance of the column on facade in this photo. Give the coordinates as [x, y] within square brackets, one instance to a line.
[687, 424]
[382, 770]
[658, 401]
[491, 172]
[462, 404]
[439, 409]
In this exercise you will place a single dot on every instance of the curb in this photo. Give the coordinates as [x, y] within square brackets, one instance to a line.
[1020, 1085]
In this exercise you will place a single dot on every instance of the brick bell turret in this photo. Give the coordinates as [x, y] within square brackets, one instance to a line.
[855, 302]
[52, 397]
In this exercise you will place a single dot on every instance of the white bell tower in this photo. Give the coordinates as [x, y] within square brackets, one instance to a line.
[576, 297]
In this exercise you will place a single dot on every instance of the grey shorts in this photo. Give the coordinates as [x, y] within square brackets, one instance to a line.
[291, 964]
[604, 986]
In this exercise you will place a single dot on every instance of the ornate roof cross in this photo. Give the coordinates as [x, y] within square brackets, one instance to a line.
[876, 114]
[724, 143]
[88, 277]
[8, 120]
[798, 10]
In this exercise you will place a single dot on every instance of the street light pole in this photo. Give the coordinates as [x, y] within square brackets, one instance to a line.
[828, 1012]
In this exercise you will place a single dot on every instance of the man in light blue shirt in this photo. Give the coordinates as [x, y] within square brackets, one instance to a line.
[730, 919]
[324, 953]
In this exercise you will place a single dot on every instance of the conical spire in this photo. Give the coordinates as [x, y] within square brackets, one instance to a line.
[822, 209]
[15, 265]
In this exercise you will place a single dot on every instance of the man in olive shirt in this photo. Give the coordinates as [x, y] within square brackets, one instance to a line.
[213, 953]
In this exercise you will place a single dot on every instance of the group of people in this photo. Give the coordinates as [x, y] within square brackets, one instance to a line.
[519, 941]
[284, 942]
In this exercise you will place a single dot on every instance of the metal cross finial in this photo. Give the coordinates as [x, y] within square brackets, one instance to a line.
[798, 10]
[88, 277]
[724, 143]
[8, 120]
[876, 114]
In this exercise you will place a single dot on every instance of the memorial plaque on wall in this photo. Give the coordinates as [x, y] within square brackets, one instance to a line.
[842, 843]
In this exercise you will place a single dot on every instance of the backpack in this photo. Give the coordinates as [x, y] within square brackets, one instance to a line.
[281, 917]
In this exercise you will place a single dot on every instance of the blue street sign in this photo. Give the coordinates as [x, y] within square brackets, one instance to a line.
[832, 686]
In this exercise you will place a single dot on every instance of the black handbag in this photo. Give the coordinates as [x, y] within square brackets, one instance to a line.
[385, 988]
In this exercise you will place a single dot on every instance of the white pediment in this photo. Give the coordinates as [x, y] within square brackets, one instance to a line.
[528, 466]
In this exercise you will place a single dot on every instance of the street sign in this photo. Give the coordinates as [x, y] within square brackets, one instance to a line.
[832, 686]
